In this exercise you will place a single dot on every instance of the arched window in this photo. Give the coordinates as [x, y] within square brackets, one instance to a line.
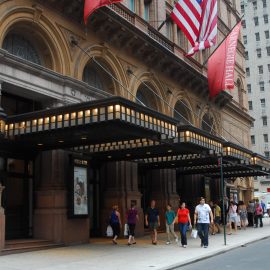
[181, 113]
[96, 77]
[91, 77]
[147, 97]
[18, 45]
[208, 124]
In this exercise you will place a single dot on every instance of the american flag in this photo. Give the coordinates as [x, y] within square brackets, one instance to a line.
[198, 20]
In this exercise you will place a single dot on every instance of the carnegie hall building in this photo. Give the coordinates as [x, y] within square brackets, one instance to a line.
[109, 114]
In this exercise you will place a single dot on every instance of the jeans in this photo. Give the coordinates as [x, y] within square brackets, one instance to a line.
[257, 218]
[250, 219]
[203, 229]
[183, 232]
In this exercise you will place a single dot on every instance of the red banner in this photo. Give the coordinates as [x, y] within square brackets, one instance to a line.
[91, 5]
[221, 64]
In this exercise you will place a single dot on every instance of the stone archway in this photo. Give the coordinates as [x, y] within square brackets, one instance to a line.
[182, 112]
[41, 34]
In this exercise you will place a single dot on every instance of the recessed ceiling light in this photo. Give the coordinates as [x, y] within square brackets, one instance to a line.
[169, 151]
[40, 144]
[109, 156]
[128, 155]
[148, 153]
[83, 138]
[60, 141]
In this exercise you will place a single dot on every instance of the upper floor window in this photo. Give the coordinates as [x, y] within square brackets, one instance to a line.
[265, 17]
[257, 36]
[264, 3]
[263, 102]
[181, 38]
[246, 55]
[245, 39]
[248, 72]
[208, 123]
[267, 154]
[266, 34]
[256, 21]
[265, 138]
[249, 88]
[244, 23]
[147, 4]
[254, 4]
[18, 45]
[250, 105]
[242, 8]
[268, 65]
[261, 86]
[268, 51]
[131, 5]
[264, 120]
[259, 53]
[260, 68]
[252, 138]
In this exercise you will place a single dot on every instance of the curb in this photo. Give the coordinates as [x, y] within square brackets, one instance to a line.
[201, 258]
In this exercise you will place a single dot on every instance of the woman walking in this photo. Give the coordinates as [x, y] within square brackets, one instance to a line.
[132, 218]
[183, 218]
[115, 222]
[242, 210]
[232, 217]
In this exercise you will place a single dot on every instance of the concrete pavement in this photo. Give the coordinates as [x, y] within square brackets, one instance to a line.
[101, 254]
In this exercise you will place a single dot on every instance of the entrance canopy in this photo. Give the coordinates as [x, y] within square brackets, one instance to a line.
[118, 129]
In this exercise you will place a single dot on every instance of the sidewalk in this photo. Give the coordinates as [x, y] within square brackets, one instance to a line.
[101, 254]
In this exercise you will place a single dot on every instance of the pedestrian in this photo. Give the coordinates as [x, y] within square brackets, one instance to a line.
[184, 222]
[258, 214]
[152, 220]
[115, 222]
[132, 218]
[251, 211]
[217, 216]
[242, 210]
[202, 219]
[212, 226]
[232, 217]
[263, 206]
[169, 221]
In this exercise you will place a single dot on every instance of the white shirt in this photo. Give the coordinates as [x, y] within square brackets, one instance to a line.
[203, 211]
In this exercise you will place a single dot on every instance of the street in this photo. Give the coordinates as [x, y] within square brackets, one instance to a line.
[250, 257]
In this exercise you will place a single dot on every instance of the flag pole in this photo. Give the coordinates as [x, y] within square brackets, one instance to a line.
[162, 24]
[205, 62]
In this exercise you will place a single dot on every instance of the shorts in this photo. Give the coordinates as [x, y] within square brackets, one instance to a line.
[217, 220]
[233, 219]
[153, 225]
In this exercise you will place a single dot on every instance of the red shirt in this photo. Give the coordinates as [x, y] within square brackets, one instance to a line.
[182, 215]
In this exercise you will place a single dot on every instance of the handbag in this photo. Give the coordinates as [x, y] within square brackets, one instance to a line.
[194, 233]
[109, 231]
[126, 230]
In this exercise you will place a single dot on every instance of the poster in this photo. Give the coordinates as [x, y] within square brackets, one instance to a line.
[80, 191]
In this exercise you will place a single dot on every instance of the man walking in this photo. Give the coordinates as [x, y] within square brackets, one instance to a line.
[152, 220]
[201, 218]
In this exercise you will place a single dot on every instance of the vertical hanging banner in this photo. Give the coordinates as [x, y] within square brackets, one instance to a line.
[221, 64]
[91, 5]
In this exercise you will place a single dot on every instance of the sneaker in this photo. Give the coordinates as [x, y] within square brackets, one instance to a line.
[176, 240]
[184, 246]
[205, 246]
[168, 243]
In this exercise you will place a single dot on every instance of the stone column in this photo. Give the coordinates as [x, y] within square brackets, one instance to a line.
[120, 185]
[51, 221]
[2, 221]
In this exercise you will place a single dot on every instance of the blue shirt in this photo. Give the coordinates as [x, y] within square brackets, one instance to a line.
[152, 214]
[170, 216]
